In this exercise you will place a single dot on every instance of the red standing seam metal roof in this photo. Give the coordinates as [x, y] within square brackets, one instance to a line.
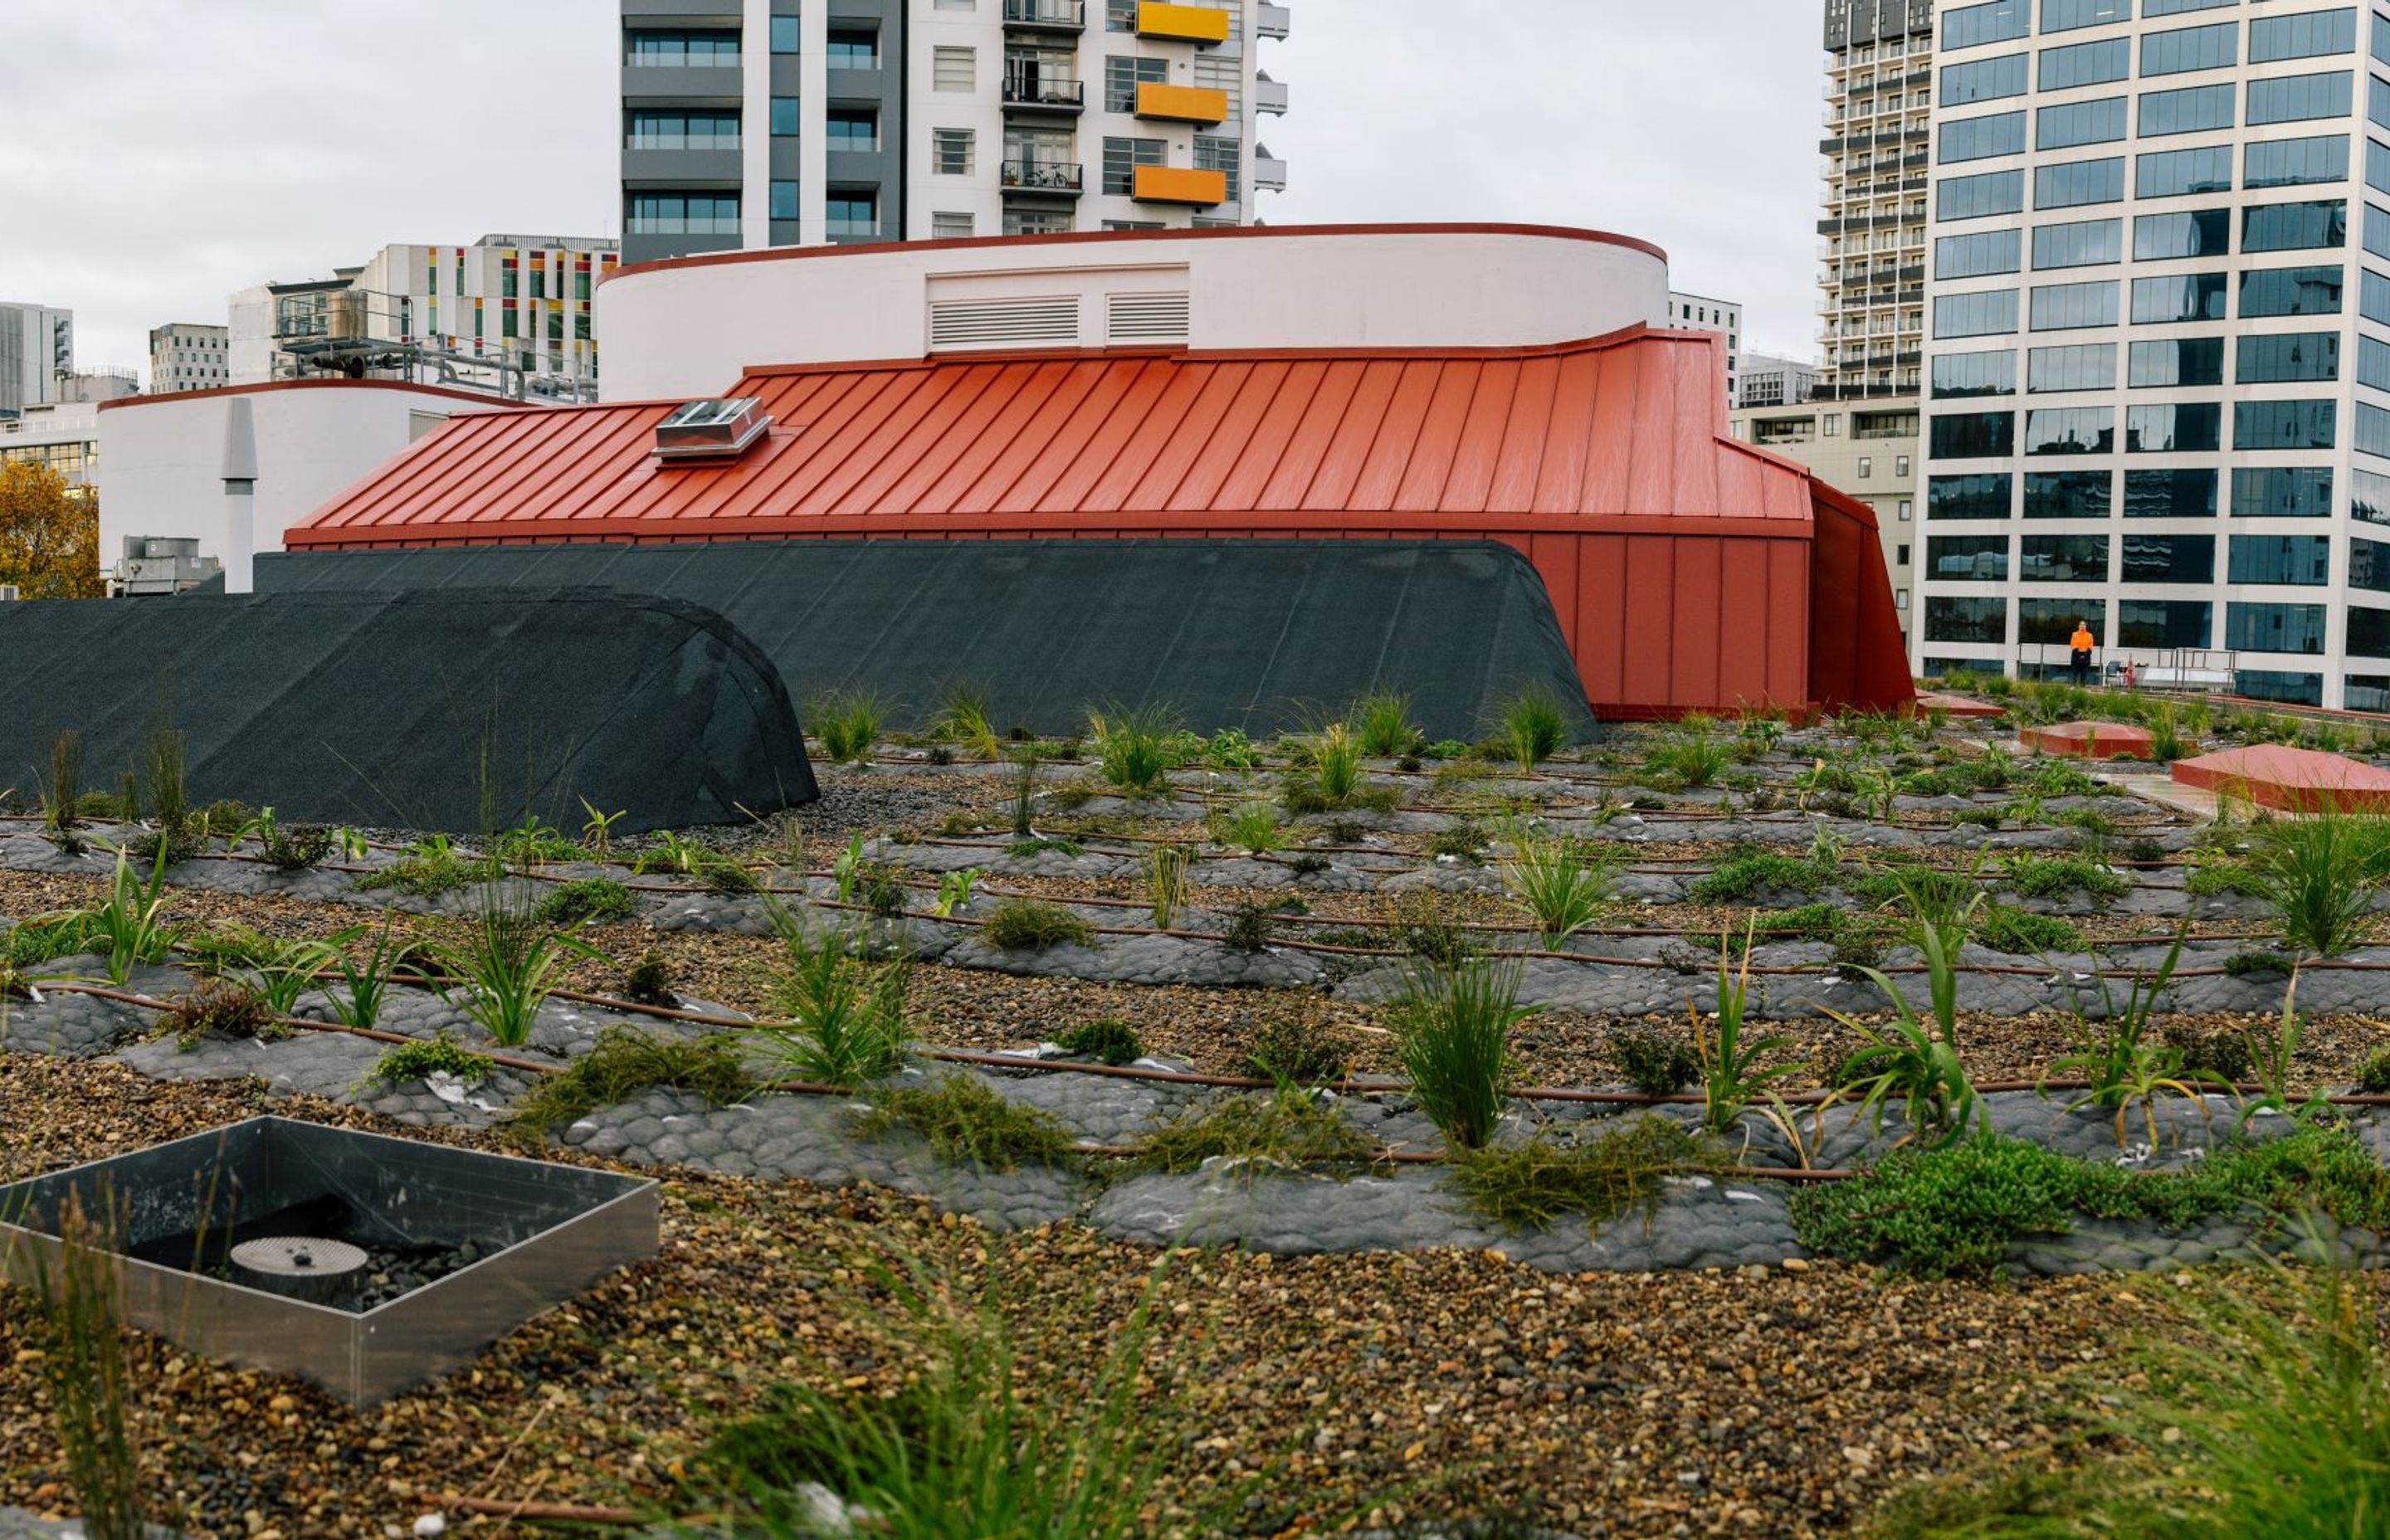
[1623, 426]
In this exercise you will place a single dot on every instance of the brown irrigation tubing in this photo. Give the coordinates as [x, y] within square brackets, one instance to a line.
[568, 1513]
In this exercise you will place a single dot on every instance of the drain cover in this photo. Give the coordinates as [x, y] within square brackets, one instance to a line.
[302, 1268]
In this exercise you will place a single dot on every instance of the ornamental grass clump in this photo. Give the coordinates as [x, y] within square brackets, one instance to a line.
[131, 928]
[845, 1013]
[83, 1363]
[1383, 726]
[1559, 884]
[1132, 749]
[1452, 1032]
[505, 964]
[847, 724]
[1534, 726]
[1028, 924]
[2322, 873]
[1915, 1058]
[592, 900]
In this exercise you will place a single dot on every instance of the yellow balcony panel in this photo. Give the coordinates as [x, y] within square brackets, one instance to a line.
[1181, 184]
[1182, 23]
[1181, 104]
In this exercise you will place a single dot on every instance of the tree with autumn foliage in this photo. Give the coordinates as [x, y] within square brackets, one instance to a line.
[49, 534]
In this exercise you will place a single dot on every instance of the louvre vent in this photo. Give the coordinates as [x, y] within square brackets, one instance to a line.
[1027, 321]
[1149, 317]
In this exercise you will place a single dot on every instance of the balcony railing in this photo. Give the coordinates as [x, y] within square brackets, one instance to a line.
[1043, 90]
[1045, 176]
[851, 229]
[1056, 15]
[680, 141]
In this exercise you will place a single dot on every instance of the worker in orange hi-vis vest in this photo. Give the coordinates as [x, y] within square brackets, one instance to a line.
[2081, 644]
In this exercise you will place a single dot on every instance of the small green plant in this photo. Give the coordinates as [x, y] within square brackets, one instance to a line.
[1287, 1126]
[845, 1013]
[1732, 1080]
[2322, 872]
[430, 866]
[1556, 883]
[1253, 827]
[61, 793]
[598, 834]
[1462, 839]
[590, 901]
[2021, 932]
[1248, 928]
[966, 1119]
[2373, 1073]
[1381, 725]
[847, 723]
[1230, 749]
[84, 1363]
[1110, 1040]
[1165, 883]
[1913, 1057]
[2259, 965]
[503, 966]
[2271, 1053]
[965, 719]
[1024, 790]
[365, 982]
[1529, 1186]
[1290, 1049]
[531, 845]
[1428, 926]
[442, 1055]
[1452, 1032]
[290, 847]
[1028, 924]
[1653, 1062]
[1534, 726]
[649, 981]
[1746, 874]
[282, 970]
[1330, 765]
[625, 1061]
[954, 891]
[2118, 1056]
[1130, 751]
[131, 926]
[2058, 877]
[219, 1010]
[1689, 756]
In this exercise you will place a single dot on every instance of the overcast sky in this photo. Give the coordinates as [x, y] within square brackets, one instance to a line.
[156, 155]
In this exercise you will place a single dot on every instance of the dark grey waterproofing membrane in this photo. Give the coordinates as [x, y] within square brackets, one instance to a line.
[1259, 635]
[544, 1233]
[402, 708]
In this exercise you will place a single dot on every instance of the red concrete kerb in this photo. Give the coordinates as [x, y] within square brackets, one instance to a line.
[2289, 780]
[2091, 741]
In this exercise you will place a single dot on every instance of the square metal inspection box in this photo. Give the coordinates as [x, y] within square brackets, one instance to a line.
[516, 1239]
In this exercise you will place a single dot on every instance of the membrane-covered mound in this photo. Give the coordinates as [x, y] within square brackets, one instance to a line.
[1256, 634]
[406, 708]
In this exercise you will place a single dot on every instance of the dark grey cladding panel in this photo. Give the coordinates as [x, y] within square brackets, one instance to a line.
[413, 708]
[1258, 634]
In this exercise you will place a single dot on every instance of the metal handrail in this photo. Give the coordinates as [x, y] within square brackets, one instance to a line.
[1047, 13]
[1045, 175]
[1043, 90]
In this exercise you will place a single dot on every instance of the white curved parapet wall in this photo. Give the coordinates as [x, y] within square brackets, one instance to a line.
[161, 458]
[685, 330]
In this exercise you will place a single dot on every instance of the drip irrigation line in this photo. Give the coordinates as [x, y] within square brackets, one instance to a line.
[372, 1034]
[544, 1513]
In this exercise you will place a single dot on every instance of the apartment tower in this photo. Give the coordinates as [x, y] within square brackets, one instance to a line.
[2158, 404]
[772, 122]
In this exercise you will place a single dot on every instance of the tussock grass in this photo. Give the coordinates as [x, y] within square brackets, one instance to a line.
[1287, 1127]
[965, 1119]
[1529, 1186]
[625, 1061]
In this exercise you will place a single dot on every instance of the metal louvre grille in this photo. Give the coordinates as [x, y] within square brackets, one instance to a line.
[1049, 320]
[1147, 317]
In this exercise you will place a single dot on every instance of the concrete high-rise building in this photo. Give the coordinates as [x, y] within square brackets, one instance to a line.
[1768, 381]
[508, 315]
[36, 355]
[183, 357]
[2158, 401]
[1879, 93]
[1700, 313]
[752, 123]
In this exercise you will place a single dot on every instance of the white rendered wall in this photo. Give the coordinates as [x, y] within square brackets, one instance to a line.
[161, 458]
[686, 330]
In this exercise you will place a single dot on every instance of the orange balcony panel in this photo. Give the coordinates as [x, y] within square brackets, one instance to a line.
[1182, 23]
[1180, 184]
[1181, 104]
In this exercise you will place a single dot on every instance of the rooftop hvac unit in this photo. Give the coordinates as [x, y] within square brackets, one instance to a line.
[9, 592]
